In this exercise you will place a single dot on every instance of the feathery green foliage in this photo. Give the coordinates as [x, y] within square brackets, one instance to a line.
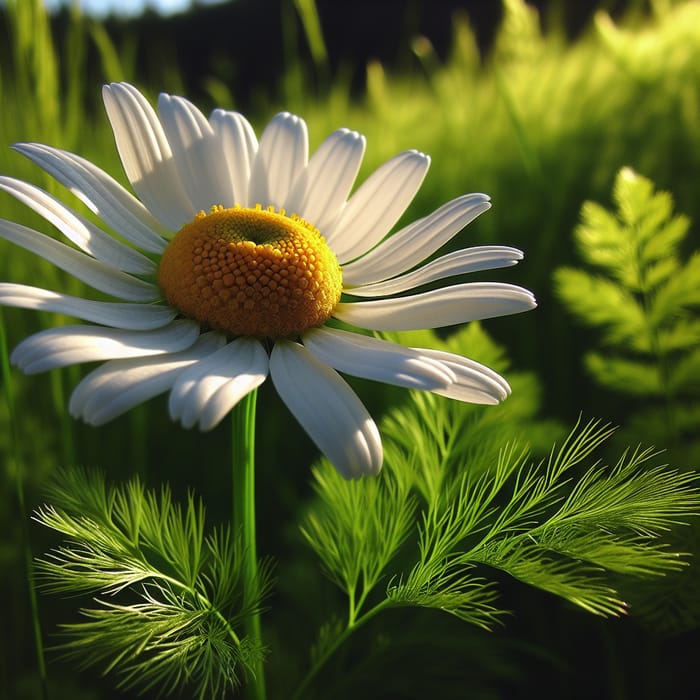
[357, 531]
[644, 300]
[533, 523]
[169, 599]
[482, 502]
[546, 524]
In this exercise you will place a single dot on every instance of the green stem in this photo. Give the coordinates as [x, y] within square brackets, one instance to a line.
[243, 471]
[19, 481]
[337, 643]
[352, 608]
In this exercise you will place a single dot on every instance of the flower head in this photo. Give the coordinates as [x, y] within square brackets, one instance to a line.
[238, 259]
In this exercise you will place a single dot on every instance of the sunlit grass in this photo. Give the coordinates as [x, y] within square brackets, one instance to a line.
[540, 124]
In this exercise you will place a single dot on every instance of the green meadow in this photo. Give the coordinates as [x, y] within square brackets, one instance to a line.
[589, 147]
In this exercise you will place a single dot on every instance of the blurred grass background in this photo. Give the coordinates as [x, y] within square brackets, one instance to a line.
[537, 106]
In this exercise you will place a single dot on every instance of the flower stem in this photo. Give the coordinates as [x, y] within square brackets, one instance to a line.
[243, 471]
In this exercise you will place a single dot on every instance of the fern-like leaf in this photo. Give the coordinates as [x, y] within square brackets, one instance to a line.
[169, 600]
[459, 497]
[541, 526]
[356, 528]
[643, 299]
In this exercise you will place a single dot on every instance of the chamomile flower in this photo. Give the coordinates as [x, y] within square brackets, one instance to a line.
[240, 258]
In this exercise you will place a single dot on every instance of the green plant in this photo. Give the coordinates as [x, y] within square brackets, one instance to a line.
[643, 299]
[169, 599]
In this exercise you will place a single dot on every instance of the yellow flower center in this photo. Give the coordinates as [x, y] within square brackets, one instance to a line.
[254, 272]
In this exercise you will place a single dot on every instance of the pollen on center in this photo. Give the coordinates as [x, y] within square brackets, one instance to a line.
[254, 272]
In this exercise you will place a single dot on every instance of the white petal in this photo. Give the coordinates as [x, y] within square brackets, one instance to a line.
[118, 385]
[103, 195]
[327, 409]
[416, 242]
[198, 153]
[380, 360]
[128, 316]
[322, 188]
[459, 262]
[93, 272]
[78, 229]
[69, 345]
[239, 146]
[377, 205]
[474, 382]
[146, 155]
[206, 392]
[458, 303]
[283, 154]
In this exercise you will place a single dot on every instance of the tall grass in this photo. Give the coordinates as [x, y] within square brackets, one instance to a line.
[541, 124]
[43, 98]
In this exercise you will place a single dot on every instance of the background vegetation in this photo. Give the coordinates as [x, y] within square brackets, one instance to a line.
[543, 111]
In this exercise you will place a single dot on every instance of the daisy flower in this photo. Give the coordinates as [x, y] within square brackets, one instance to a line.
[240, 258]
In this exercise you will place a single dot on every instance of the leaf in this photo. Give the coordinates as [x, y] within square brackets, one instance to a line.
[357, 527]
[168, 599]
[684, 376]
[561, 536]
[683, 335]
[609, 521]
[644, 299]
[599, 238]
[680, 293]
[599, 301]
[469, 598]
[575, 581]
[631, 377]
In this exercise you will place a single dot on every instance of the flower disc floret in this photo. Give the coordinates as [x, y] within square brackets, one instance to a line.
[251, 272]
